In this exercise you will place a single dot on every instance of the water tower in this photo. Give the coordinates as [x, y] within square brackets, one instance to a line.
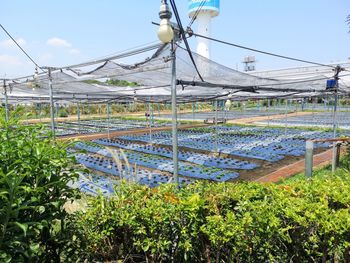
[205, 11]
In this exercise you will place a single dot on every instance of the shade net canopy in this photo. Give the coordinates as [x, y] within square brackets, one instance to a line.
[153, 76]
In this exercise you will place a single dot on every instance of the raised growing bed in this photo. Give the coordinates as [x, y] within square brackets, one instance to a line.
[183, 155]
[165, 164]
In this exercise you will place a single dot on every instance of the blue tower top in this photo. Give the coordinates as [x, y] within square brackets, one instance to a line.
[211, 6]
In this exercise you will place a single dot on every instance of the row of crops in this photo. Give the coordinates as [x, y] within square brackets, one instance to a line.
[213, 153]
[230, 115]
[100, 126]
[322, 119]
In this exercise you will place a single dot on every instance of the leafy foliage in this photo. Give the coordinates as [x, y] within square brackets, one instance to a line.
[121, 83]
[34, 172]
[114, 82]
[301, 221]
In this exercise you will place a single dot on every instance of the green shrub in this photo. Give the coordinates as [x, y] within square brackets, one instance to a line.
[34, 172]
[346, 159]
[63, 113]
[245, 222]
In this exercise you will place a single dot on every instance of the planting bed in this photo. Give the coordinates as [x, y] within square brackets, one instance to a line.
[221, 153]
[99, 126]
[110, 167]
[229, 115]
[164, 164]
[95, 184]
[188, 156]
[320, 119]
[268, 144]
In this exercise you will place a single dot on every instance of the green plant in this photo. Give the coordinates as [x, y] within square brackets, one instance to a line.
[208, 222]
[63, 113]
[34, 172]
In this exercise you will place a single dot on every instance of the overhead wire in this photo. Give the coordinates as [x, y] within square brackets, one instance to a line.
[184, 38]
[122, 55]
[19, 46]
[196, 13]
[260, 51]
[128, 49]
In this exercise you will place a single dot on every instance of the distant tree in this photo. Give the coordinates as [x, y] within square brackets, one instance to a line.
[113, 82]
[121, 83]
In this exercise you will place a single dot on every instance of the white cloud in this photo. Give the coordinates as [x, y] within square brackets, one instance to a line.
[10, 44]
[45, 58]
[10, 60]
[58, 42]
[74, 51]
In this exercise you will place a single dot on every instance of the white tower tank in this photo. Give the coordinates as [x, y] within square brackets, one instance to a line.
[208, 10]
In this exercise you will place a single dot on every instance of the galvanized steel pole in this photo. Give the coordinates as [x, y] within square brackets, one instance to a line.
[338, 69]
[216, 127]
[6, 103]
[150, 122]
[108, 119]
[174, 112]
[52, 110]
[78, 115]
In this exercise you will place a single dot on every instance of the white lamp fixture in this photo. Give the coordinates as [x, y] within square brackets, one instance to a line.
[35, 78]
[165, 31]
[36, 75]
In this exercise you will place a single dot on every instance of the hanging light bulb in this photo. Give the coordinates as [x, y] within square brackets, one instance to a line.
[165, 31]
[36, 74]
[35, 78]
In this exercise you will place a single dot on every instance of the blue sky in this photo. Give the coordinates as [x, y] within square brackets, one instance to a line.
[58, 33]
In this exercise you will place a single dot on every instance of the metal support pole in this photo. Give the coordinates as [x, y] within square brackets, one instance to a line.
[216, 127]
[152, 114]
[40, 111]
[285, 118]
[268, 114]
[150, 122]
[108, 119]
[52, 110]
[192, 111]
[99, 111]
[338, 69]
[309, 158]
[174, 112]
[313, 109]
[78, 115]
[57, 109]
[158, 108]
[7, 112]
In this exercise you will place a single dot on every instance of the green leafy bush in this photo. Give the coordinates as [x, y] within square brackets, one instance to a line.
[346, 159]
[63, 113]
[34, 172]
[301, 221]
